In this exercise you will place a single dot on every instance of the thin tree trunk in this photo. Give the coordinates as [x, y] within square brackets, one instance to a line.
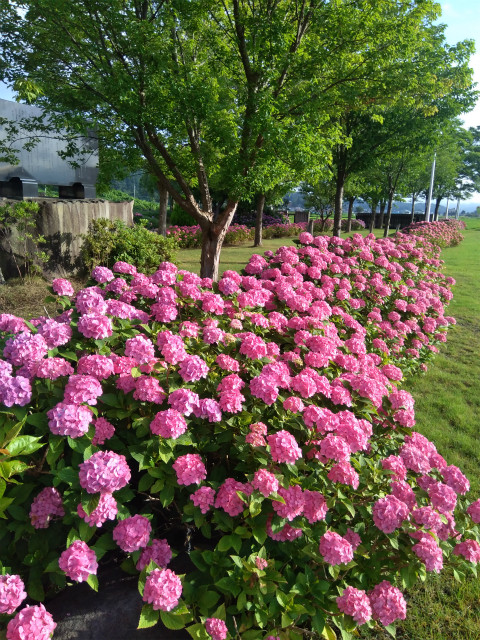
[372, 219]
[382, 214]
[162, 209]
[446, 208]
[337, 218]
[340, 185]
[258, 220]
[389, 215]
[437, 206]
[351, 202]
[412, 212]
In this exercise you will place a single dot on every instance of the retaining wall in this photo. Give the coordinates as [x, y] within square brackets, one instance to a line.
[62, 222]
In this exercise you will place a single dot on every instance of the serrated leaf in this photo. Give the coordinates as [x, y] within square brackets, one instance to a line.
[172, 621]
[92, 582]
[148, 617]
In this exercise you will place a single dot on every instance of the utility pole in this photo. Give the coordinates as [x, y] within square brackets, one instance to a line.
[429, 200]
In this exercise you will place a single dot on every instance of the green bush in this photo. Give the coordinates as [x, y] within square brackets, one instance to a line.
[181, 218]
[107, 242]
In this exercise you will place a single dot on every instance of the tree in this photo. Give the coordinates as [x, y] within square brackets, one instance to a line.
[319, 196]
[429, 79]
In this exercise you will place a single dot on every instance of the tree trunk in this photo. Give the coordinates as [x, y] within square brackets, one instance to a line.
[382, 214]
[213, 235]
[337, 218]
[446, 208]
[162, 210]
[412, 212]
[389, 215]
[258, 220]
[371, 226]
[437, 206]
[351, 202]
[339, 187]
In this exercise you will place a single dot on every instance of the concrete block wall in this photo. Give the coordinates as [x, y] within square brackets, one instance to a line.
[63, 222]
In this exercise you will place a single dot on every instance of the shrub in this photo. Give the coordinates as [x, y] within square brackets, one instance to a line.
[444, 233]
[18, 228]
[181, 218]
[108, 242]
[264, 416]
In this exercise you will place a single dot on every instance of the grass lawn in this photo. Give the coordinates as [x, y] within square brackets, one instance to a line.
[447, 402]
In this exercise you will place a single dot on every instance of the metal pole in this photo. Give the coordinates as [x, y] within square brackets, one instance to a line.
[446, 210]
[457, 212]
[429, 201]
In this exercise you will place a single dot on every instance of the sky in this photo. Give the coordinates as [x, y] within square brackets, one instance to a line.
[462, 18]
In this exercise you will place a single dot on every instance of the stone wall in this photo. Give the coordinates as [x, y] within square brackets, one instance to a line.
[63, 222]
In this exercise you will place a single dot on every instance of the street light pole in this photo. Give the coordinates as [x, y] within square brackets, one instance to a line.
[429, 200]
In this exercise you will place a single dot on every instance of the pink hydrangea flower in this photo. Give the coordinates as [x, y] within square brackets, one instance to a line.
[429, 553]
[190, 469]
[140, 348]
[148, 389]
[55, 333]
[344, 473]
[104, 472]
[293, 505]
[184, 401]
[46, 506]
[203, 498]
[228, 499]
[265, 482]
[163, 589]
[158, 551]
[168, 424]
[15, 391]
[193, 368]
[12, 593]
[78, 561]
[102, 274]
[208, 409]
[81, 388]
[68, 419]
[132, 533]
[63, 287]
[294, 404]
[455, 479]
[473, 511]
[355, 603]
[335, 549]
[388, 603]
[95, 325]
[389, 513]
[104, 430]
[469, 549]
[284, 447]
[315, 506]
[95, 365]
[442, 496]
[216, 628]
[261, 563]
[105, 510]
[31, 623]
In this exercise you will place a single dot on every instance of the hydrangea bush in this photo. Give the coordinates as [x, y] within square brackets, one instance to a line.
[263, 414]
[444, 233]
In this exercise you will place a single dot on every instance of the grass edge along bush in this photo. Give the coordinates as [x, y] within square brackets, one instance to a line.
[264, 412]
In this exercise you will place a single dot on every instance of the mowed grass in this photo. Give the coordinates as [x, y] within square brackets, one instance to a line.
[447, 407]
